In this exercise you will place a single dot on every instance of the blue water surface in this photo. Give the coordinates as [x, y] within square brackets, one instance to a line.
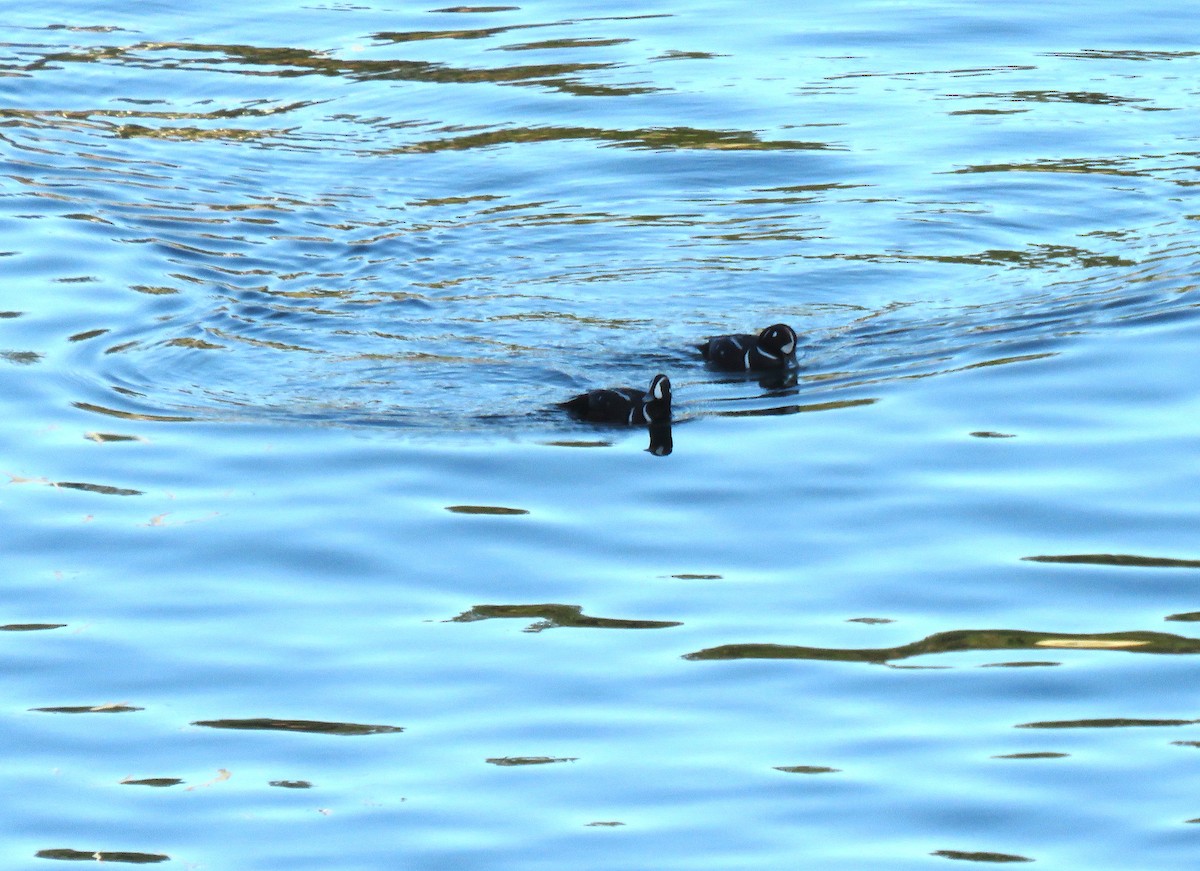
[304, 568]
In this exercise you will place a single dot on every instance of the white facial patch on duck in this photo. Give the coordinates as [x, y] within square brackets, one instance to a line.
[789, 347]
[659, 388]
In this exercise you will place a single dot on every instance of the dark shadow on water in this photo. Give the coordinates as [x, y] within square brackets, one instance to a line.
[979, 857]
[1117, 559]
[1035, 755]
[102, 856]
[1104, 723]
[88, 709]
[30, 627]
[959, 641]
[104, 437]
[309, 726]
[102, 489]
[555, 616]
[476, 10]
[494, 510]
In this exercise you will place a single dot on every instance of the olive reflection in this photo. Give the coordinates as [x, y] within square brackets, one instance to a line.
[959, 640]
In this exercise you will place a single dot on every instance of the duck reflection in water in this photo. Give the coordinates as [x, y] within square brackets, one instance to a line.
[661, 442]
[779, 380]
[629, 406]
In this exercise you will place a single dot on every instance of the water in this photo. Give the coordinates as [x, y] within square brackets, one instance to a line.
[303, 568]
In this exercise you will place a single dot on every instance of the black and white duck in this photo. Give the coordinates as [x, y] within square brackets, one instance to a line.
[625, 405]
[773, 348]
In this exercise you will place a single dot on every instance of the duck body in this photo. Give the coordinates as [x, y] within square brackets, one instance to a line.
[624, 405]
[773, 348]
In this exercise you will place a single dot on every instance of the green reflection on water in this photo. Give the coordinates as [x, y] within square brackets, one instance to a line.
[962, 640]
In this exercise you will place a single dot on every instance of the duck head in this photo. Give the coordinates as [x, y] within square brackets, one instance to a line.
[778, 339]
[658, 398]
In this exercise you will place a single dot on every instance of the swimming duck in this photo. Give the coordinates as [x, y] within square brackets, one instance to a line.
[626, 405]
[771, 349]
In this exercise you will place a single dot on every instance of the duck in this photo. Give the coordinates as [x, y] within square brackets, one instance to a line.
[625, 405]
[773, 348]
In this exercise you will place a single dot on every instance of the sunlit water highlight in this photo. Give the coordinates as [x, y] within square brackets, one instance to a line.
[305, 569]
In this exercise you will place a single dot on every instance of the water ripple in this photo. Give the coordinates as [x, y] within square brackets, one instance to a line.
[263, 267]
[402, 302]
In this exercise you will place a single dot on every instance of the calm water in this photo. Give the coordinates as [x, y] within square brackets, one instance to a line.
[303, 570]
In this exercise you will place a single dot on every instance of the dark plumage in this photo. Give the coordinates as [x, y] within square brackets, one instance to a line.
[625, 405]
[773, 348]
[661, 442]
